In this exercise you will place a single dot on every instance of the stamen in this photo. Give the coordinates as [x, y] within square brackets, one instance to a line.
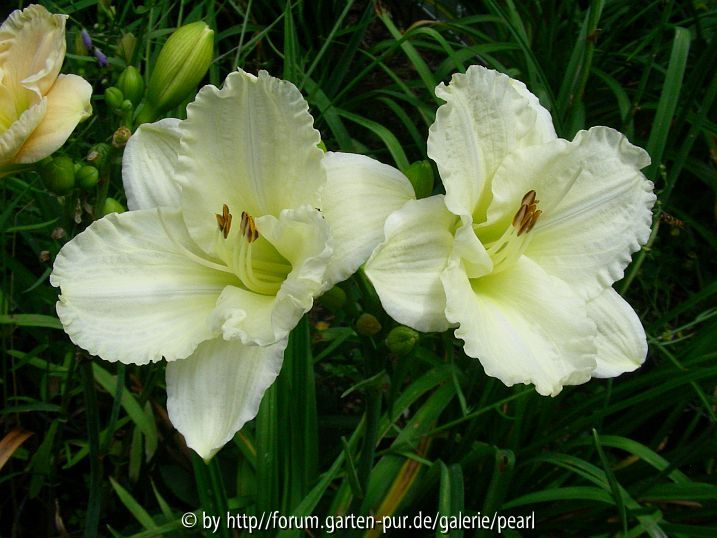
[524, 226]
[528, 198]
[533, 220]
[258, 275]
[224, 220]
[519, 216]
[528, 213]
[247, 228]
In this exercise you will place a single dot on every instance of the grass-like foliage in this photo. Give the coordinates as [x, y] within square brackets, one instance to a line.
[349, 427]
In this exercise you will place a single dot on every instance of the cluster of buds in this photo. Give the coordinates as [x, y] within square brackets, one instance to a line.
[181, 65]
[128, 93]
[61, 175]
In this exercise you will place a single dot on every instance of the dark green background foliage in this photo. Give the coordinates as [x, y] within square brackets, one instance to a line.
[349, 427]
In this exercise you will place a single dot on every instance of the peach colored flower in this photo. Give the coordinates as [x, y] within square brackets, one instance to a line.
[39, 108]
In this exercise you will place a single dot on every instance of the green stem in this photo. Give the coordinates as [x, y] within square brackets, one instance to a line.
[210, 488]
[92, 516]
[219, 494]
[635, 267]
[373, 416]
[115, 409]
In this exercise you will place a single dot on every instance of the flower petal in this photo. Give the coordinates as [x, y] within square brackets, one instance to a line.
[588, 238]
[524, 326]
[148, 166]
[359, 195]
[68, 103]
[405, 269]
[621, 341]
[32, 47]
[543, 131]
[250, 145]
[130, 293]
[12, 140]
[215, 391]
[301, 237]
[467, 248]
[246, 316]
[486, 116]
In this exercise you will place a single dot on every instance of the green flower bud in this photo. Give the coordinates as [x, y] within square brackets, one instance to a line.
[126, 105]
[87, 177]
[181, 65]
[98, 154]
[126, 47]
[131, 84]
[112, 206]
[420, 174]
[401, 340]
[367, 325]
[334, 299]
[58, 175]
[114, 97]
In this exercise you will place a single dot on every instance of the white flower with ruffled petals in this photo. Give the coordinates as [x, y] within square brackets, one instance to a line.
[39, 108]
[239, 221]
[521, 252]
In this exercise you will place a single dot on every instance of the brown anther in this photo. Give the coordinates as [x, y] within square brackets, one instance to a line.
[524, 226]
[528, 198]
[519, 216]
[242, 224]
[224, 220]
[528, 213]
[248, 228]
[533, 220]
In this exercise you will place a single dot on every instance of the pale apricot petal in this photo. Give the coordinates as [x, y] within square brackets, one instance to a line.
[12, 140]
[32, 47]
[68, 103]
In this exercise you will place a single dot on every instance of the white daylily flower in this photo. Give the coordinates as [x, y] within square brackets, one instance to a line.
[224, 250]
[39, 108]
[521, 252]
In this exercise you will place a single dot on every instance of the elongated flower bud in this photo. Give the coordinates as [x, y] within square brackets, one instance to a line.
[127, 46]
[131, 84]
[114, 97]
[420, 174]
[182, 63]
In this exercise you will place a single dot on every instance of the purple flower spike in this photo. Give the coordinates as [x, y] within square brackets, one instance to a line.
[86, 39]
[101, 58]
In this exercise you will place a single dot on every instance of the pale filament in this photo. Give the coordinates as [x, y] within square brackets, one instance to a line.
[508, 248]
